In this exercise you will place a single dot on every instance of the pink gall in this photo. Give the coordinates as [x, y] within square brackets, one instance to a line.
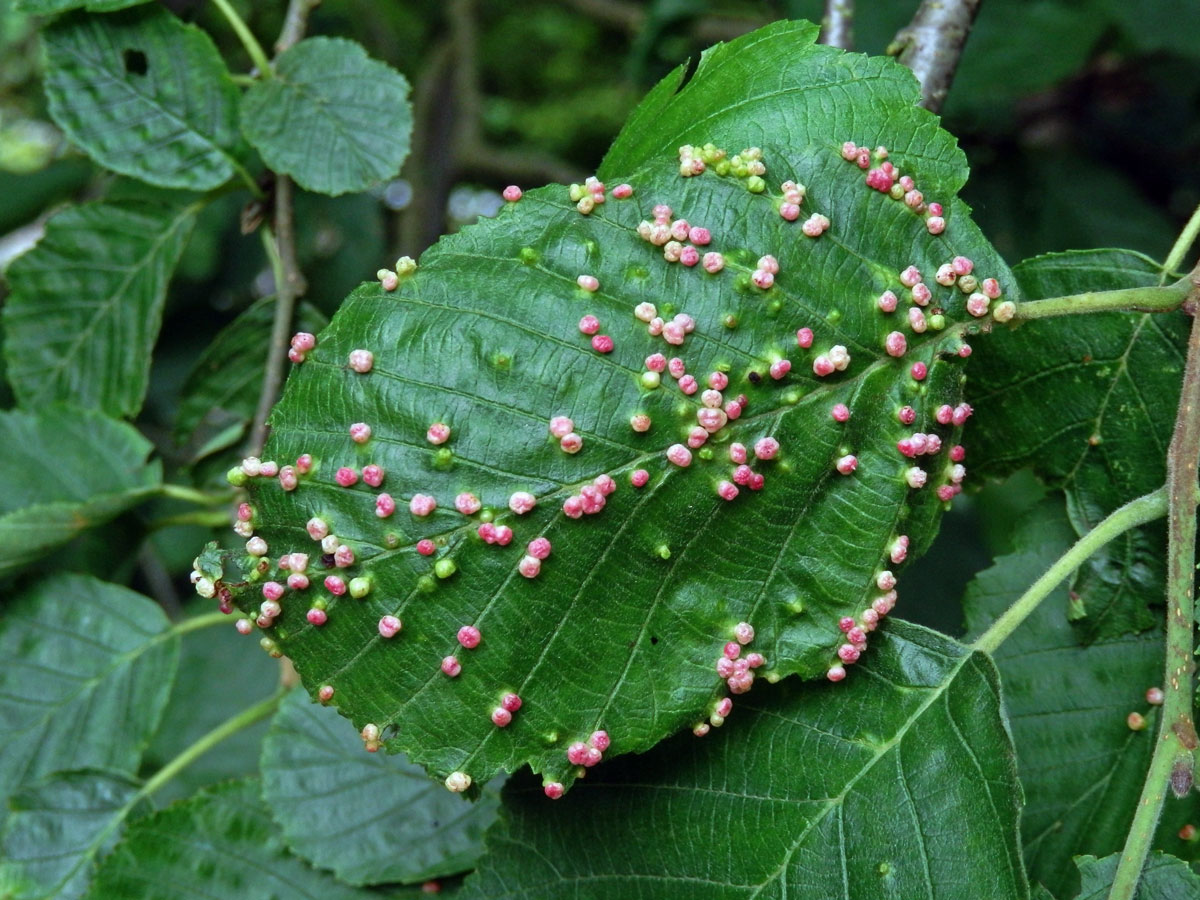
[836, 673]
[935, 224]
[602, 343]
[766, 448]
[958, 453]
[589, 324]
[571, 443]
[529, 566]
[335, 585]
[887, 302]
[361, 361]
[847, 464]
[639, 477]
[896, 344]
[561, 426]
[316, 616]
[451, 667]
[918, 371]
[304, 463]
[372, 475]
[522, 502]
[501, 717]
[469, 636]
[589, 283]
[317, 528]
[389, 626]
[727, 491]
[780, 368]
[303, 342]
[288, 478]
[622, 191]
[823, 366]
[840, 412]
[906, 415]
[804, 338]
[713, 262]
[297, 582]
[360, 432]
[688, 384]
[325, 693]
[346, 477]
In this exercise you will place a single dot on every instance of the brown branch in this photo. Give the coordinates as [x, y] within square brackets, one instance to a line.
[837, 27]
[932, 44]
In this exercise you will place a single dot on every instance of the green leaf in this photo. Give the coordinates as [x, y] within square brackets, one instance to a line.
[88, 668]
[349, 811]
[1089, 402]
[225, 382]
[1080, 765]
[623, 628]
[144, 95]
[87, 303]
[63, 471]
[1163, 878]
[897, 784]
[219, 843]
[57, 827]
[49, 7]
[332, 118]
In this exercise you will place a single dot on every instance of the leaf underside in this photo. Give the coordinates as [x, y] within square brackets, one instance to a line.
[1081, 399]
[623, 627]
[899, 784]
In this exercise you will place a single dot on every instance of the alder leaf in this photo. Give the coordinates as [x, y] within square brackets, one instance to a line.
[896, 784]
[62, 472]
[1163, 878]
[55, 829]
[370, 818]
[1089, 402]
[219, 843]
[1081, 766]
[87, 671]
[145, 95]
[87, 304]
[623, 628]
[331, 117]
[49, 7]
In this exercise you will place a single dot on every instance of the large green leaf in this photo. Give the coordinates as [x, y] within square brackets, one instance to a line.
[57, 827]
[332, 117]
[1081, 767]
[63, 471]
[219, 843]
[1163, 878]
[899, 784]
[370, 818]
[144, 95]
[87, 303]
[87, 670]
[225, 382]
[48, 7]
[623, 628]
[1089, 402]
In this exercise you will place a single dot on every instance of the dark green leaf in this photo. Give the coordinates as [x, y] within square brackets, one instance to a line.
[1080, 765]
[1163, 878]
[87, 670]
[225, 383]
[48, 7]
[332, 117]
[219, 843]
[1089, 402]
[63, 471]
[897, 784]
[57, 827]
[145, 95]
[87, 303]
[623, 628]
[370, 817]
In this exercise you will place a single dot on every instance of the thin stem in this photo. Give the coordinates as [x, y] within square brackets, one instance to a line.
[1182, 245]
[191, 495]
[257, 55]
[1166, 298]
[837, 27]
[1173, 764]
[295, 23]
[203, 518]
[932, 44]
[285, 306]
[1134, 513]
[186, 626]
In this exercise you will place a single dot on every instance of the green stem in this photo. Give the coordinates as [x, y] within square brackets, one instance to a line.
[1177, 732]
[208, 620]
[191, 495]
[203, 518]
[1164, 298]
[1182, 245]
[1136, 512]
[257, 55]
[226, 729]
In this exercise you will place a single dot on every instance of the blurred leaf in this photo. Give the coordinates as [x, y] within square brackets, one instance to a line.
[219, 843]
[1089, 402]
[896, 784]
[220, 673]
[87, 670]
[484, 337]
[332, 118]
[48, 7]
[226, 380]
[1163, 878]
[63, 471]
[348, 811]
[1080, 766]
[57, 827]
[144, 95]
[1159, 25]
[87, 302]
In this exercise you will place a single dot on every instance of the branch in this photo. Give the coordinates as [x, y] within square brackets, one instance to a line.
[837, 27]
[1173, 764]
[932, 44]
[295, 23]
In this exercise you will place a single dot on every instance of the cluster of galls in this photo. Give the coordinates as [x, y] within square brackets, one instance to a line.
[736, 671]
[592, 193]
[747, 165]
[390, 279]
[887, 179]
[584, 755]
[680, 240]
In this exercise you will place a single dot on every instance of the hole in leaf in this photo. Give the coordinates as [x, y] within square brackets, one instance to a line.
[135, 62]
[654, 639]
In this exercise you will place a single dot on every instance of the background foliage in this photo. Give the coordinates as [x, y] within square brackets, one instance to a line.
[1079, 120]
